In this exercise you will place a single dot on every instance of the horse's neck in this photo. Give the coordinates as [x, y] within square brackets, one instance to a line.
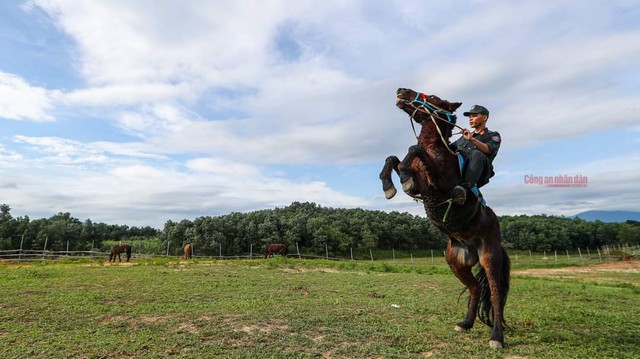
[431, 142]
[445, 172]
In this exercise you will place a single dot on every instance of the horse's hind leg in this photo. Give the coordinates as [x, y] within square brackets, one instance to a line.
[461, 260]
[390, 164]
[496, 264]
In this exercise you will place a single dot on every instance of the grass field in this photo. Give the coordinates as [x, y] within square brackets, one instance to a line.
[287, 308]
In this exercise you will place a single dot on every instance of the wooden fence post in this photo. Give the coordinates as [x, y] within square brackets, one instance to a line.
[21, 241]
[46, 239]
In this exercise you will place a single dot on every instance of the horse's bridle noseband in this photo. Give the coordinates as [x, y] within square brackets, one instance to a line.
[432, 109]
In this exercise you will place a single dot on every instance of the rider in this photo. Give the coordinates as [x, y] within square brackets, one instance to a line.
[479, 148]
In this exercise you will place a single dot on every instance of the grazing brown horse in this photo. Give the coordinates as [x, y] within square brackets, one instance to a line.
[428, 173]
[125, 248]
[187, 251]
[275, 248]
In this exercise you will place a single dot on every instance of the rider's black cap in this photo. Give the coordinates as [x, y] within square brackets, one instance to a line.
[477, 109]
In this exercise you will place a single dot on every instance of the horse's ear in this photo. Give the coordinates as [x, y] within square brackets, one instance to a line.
[454, 106]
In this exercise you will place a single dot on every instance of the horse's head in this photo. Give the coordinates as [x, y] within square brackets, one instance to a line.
[422, 107]
[409, 100]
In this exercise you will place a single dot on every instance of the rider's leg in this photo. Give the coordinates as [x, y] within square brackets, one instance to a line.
[477, 164]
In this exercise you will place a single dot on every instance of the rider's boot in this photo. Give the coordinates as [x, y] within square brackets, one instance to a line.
[459, 193]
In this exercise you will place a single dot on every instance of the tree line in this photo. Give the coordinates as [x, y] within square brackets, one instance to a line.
[313, 228]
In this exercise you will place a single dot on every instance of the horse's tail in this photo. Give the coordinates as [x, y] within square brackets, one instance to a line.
[485, 310]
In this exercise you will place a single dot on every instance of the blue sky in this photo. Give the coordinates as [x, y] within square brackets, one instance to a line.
[139, 112]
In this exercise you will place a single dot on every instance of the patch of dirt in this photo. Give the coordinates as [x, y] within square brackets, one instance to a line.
[150, 320]
[305, 270]
[120, 264]
[332, 353]
[188, 328]
[318, 338]
[264, 328]
[206, 317]
[301, 289]
[19, 265]
[616, 267]
[114, 319]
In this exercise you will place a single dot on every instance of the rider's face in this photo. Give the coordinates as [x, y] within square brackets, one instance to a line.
[476, 119]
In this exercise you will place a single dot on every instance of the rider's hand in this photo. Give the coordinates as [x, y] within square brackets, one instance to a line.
[466, 134]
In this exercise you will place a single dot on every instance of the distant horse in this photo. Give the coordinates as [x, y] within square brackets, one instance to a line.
[187, 251]
[275, 248]
[117, 250]
[428, 173]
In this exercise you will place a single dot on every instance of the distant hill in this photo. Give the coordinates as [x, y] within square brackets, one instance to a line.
[609, 216]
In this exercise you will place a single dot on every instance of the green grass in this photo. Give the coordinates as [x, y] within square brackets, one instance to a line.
[286, 308]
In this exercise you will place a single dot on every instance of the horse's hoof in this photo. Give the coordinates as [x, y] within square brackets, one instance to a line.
[461, 329]
[407, 185]
[494, 344]
[390, 192]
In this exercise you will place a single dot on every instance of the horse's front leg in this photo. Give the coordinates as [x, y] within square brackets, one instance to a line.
[406, 172]
[390, 164]
[461, 260]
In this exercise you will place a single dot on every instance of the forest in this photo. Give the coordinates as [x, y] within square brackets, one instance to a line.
[313, 228]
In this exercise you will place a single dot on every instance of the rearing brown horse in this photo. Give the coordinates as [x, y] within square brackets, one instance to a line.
[428, 173]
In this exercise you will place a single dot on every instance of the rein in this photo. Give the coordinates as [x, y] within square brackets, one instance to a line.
[433, 112]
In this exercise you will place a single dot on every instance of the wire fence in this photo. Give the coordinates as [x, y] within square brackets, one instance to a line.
[429, 257]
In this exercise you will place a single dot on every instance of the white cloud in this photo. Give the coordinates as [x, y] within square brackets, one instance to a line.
[153, 120]
[60, 151]
[21, 101]
[124, 94]
[125, 42]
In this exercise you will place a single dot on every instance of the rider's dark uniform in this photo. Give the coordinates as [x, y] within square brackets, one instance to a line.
[479, 167]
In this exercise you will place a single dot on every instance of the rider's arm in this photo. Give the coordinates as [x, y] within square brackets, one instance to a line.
[481, 146]
[477, 143]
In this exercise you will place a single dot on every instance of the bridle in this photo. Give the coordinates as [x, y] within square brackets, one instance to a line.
[434, 113]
